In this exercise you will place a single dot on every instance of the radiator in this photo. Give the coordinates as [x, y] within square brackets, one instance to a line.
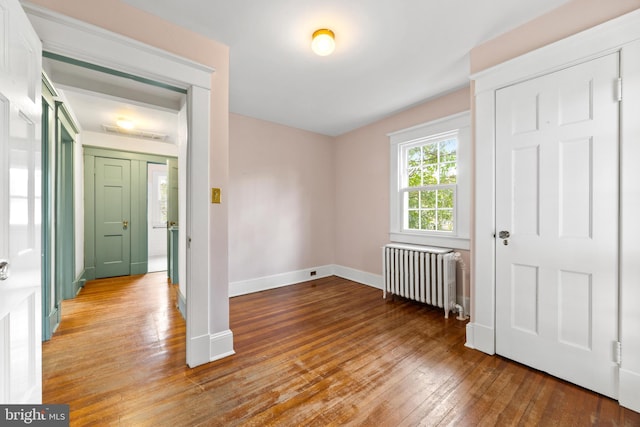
[420, 273]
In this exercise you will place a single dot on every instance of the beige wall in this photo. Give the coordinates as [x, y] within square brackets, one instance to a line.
[362, 181]
[570, 18]
[281, 199]
[119, 17]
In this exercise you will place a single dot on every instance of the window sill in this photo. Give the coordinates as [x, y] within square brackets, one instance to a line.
[452, 242]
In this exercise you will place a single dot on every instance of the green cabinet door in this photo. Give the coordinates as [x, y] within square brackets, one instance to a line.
[113, 213]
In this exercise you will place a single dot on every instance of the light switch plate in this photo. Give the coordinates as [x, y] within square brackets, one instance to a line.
[215, 195]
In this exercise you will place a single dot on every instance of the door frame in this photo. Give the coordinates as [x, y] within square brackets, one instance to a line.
[139, 248]
[77, 40]
[618, 35]
[66, 136]
[59, 135]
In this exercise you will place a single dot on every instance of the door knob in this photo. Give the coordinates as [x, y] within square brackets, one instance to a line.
[125, 224]
[4, 269]
[504, 235]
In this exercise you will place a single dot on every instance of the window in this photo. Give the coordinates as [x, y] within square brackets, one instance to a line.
[429, 176]
[430, 183]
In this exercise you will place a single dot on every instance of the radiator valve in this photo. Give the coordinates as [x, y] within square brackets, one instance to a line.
[460, 310]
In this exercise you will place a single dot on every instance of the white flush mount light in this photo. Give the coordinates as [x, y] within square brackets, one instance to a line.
[323, 42]
[125, 124]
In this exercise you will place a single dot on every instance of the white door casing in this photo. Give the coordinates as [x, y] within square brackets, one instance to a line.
[20, 211]
[84, 42]
[557, 197]
[618, 35]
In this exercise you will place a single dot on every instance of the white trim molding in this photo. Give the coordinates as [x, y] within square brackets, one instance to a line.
[181, 305]
[459, 238]
[618, 35]
[221, 345]
[70, 37]
[78, 40]
[362, 277]
[629, 388]
[243, 287]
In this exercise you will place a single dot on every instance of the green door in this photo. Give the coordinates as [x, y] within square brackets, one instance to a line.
[113, 211]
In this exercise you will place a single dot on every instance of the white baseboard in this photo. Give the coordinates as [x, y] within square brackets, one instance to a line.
[221, 345]
[198, 352]
[244, 287]
[481, 338]
[470, 342]
[629, 386]
[370, 279]
[278, 280]
[182, 304]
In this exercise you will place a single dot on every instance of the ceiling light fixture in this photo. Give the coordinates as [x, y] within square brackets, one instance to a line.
[125, 123]
[323, 42]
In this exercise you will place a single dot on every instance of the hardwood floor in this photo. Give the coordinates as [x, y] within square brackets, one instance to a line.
[321, 353]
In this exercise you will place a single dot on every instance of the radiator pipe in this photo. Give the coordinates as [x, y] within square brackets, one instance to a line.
[458, 307]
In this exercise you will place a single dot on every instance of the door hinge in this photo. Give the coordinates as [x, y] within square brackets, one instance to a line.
[619, 89]
[617, 352]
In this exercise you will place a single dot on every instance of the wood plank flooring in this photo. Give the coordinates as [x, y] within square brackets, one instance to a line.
[324, 353]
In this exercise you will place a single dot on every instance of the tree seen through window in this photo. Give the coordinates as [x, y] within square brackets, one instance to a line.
[430, 184]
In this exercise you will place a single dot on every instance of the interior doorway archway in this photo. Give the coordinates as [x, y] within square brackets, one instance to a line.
[67, 37]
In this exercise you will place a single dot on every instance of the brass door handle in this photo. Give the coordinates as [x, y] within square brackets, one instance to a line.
[125, 224]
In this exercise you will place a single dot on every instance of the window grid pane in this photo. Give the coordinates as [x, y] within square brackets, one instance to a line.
[430, 210]
[431, 175]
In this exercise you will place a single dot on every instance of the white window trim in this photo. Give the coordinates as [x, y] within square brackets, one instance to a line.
[460, 238]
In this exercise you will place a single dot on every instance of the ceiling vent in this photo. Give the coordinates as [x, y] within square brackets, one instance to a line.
[136, 133]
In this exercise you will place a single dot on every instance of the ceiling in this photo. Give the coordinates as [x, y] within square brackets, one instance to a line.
[390, 55]
[98, 99]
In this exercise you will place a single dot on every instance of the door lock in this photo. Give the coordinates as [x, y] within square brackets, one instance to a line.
[504, 235]
[4, 269]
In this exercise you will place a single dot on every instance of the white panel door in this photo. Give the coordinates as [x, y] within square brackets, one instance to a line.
[557, 198]
[20, 207]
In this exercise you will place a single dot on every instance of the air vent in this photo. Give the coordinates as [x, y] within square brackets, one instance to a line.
[137, 133]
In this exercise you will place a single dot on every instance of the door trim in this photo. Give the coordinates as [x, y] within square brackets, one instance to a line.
[81, 41]
[622, 35]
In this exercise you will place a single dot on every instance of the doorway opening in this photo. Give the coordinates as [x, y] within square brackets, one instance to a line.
[157, 195]
[95, 99]
[62, 35]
